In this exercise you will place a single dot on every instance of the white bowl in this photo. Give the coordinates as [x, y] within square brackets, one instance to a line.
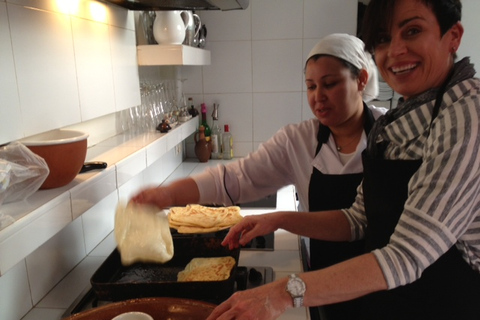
[134, 315]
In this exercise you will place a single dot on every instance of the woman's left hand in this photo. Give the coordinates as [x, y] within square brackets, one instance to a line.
[265, 302]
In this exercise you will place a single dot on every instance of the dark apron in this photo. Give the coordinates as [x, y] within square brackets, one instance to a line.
[330, 192]
[448, 289]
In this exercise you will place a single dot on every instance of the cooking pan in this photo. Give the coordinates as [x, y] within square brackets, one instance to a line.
[158, 308]
[115, 282]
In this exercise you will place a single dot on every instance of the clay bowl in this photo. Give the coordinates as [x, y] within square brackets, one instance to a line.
[64, 152]
[158, 308]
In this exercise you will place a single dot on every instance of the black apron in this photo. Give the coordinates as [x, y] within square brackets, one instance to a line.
[330, 192]
[448, 289]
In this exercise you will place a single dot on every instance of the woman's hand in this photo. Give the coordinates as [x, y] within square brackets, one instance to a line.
[264, 302]
[249, 228]
[178, 193]
[159, 197]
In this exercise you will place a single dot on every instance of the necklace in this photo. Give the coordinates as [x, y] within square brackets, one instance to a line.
[339, 148]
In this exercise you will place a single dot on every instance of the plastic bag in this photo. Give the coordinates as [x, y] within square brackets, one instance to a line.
[22, 172]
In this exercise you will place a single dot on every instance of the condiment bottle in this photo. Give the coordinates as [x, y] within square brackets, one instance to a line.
[204, 123]
[192, 110]
[216, 135]
[227, 144]
[202, 147]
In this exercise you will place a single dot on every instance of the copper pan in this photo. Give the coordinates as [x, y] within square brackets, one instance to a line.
[158, 308]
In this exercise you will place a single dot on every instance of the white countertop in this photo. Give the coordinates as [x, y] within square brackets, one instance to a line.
[46, 212]
[284, 260]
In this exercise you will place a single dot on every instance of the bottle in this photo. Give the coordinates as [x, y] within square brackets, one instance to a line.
[227, 144]
[216, 135]
[204, 123]
[202, 147]
[192, 110]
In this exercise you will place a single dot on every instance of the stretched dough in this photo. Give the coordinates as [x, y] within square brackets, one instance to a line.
[143, 234]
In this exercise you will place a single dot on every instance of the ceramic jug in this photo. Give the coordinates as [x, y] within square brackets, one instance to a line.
[193, 23]
[203, 148]
[169, 27]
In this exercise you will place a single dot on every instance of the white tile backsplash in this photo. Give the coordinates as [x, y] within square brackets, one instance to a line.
[54, 259]
[15, 299]
[11, 115]
[277, 19]
[271, 106]
[224, 76]
[277, 65]
[87, 195]
[94, 68]
[227, 25]
[64, 62]
[125, 69]
[329, 16]
[48, 98]
[98, 222]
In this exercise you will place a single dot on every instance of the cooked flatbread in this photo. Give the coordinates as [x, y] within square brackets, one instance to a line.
[196, 218]
[143, 234]
[207, 269]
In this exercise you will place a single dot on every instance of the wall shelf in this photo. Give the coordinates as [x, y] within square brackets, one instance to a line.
[166, 55]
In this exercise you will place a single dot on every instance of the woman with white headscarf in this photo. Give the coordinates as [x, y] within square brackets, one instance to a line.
[320, 156]
[336, 93]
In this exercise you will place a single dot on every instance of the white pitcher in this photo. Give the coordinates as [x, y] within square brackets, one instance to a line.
[169, 27]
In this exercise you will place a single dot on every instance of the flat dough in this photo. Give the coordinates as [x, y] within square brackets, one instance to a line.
[196, 218]
[207, 269]
[143, 234]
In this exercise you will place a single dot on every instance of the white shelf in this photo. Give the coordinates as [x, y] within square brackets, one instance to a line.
[166, 55]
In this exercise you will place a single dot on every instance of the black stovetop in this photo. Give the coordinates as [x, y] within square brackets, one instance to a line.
[246, 278]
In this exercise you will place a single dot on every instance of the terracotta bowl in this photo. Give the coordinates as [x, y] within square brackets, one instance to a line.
[63, 150]
[157, 308]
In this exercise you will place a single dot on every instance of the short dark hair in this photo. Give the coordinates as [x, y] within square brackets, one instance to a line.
[379, 13]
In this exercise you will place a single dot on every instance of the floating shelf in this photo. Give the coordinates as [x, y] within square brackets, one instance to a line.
[167, 55]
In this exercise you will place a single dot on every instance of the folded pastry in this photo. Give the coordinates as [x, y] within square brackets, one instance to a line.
[143, 234]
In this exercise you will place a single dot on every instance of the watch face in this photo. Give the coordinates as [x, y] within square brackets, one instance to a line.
[296, 286]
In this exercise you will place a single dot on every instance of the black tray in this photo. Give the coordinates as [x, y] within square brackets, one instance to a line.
[115, 282]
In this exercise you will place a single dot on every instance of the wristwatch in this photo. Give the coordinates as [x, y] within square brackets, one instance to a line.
[296, 288]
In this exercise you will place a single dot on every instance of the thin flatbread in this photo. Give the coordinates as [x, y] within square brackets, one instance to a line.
[196, 218]
[143, 234]
[207, 269]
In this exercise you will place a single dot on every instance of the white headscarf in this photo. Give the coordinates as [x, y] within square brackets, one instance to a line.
[350, 49]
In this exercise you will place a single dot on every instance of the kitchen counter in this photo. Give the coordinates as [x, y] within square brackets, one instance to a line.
[284, 260]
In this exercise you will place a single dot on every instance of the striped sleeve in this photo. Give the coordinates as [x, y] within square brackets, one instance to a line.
[443, 206]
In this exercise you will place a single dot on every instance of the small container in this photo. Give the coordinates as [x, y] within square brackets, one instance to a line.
[133, 315]
[227, 144]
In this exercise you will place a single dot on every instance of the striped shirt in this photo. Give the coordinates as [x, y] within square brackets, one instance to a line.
[443, 206]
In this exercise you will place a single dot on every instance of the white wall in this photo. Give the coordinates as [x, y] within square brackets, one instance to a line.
[258, 56]
[256, 73]
[63, 63]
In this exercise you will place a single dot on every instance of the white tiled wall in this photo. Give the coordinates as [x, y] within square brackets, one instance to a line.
[256, 74]
[64, 62]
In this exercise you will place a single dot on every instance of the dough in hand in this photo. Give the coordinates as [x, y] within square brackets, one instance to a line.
[143, 234]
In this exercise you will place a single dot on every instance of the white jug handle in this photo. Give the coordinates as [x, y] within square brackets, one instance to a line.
[195, 16]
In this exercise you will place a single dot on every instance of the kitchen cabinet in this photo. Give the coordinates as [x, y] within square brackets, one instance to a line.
[164, 55]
